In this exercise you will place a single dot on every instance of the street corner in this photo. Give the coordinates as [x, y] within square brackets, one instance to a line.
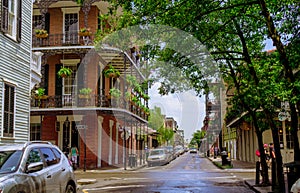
[86, 181]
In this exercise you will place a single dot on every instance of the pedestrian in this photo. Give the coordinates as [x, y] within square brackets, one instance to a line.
[267, 153]
[74, 154]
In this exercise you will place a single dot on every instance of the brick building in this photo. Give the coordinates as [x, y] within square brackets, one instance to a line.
[99, 122]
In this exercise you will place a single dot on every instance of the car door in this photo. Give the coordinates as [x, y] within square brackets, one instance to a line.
[36, 180]
[52, 170]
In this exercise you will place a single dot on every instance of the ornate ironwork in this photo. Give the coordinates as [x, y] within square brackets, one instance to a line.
[86, 9]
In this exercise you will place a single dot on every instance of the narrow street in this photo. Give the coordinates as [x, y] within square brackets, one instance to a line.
[187, 173]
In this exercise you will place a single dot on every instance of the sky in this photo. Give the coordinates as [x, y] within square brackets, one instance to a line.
[186, 108]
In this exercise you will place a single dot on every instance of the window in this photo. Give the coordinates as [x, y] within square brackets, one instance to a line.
[289, 136]
[70, 81]
[9, 110]
[57, 154]
[71, 28]
[35, 131]
[37, 22]
[49, 156]
[34, 156]
[11, 18]
[286, 136]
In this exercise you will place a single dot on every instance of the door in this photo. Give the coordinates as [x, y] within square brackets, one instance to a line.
[52, 170]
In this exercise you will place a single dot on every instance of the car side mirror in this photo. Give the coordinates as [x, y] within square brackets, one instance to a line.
[34, 167]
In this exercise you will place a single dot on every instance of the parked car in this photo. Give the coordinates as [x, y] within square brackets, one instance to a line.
[296, 187]
[179, 150]
[158, 157]
[193, 150]
[35, 167]
[170, 149]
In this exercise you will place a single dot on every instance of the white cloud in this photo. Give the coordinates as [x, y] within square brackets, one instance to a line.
[186, 108]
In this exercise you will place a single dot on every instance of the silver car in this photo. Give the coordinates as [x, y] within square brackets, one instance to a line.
[158, 157]
[35, 167]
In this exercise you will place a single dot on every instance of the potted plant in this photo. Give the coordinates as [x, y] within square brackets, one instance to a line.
[41, 33]
[111, 72]
[84, 32]
[64, 72]
[115, 93]
[85, 92]
[40, 94]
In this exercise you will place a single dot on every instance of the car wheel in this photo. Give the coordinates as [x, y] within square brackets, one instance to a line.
[70, 189]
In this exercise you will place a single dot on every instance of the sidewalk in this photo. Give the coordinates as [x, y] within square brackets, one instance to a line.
[246, 167]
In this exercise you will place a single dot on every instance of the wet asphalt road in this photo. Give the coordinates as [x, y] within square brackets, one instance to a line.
[187, 174]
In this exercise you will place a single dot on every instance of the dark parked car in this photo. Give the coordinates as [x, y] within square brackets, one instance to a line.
[35, 167]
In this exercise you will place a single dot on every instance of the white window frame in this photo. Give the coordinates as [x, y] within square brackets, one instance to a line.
[68, 63]
[12, 24]
[74, 10]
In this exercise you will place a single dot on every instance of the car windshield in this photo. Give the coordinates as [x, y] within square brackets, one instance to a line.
[156, 152]
[9, 161]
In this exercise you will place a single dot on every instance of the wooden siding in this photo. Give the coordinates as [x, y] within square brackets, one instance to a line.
[15, 67]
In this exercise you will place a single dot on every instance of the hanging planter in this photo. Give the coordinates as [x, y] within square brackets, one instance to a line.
[84, 32]
[41, 33]
[111, 72]
[64, 72]
[85, 93]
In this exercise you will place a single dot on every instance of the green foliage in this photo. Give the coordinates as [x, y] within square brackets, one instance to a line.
[85, 91]
[40, 92]
[115, 93]
[156, 119]
[165, 135]
[197, 137]
[111, 71]
[64, 72]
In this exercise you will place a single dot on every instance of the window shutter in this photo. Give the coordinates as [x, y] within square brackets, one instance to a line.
[4, 16]
[19, 20]
[58, 81]
[47, 22]
[45, 78]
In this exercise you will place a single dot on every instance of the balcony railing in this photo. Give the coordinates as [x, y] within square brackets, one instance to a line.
[66, 39]
[79, 101]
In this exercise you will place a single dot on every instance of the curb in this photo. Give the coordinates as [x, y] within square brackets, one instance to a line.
[251, 187]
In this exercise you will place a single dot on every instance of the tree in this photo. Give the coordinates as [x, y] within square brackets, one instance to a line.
[234, 33]
[165, 135]
[197, 137]
[156, 119]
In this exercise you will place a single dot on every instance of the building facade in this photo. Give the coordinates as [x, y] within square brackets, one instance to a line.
[15, 41]
[99, 112]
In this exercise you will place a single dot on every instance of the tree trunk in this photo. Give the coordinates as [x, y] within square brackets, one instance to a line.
[264, 166]
[280, 183]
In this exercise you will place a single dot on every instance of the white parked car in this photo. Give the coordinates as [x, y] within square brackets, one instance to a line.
[296, 186]
[158, 157]
[35, 167]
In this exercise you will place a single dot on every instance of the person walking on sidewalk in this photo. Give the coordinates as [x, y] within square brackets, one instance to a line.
[74, 154]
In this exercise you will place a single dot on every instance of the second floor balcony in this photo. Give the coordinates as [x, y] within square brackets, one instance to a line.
[98, 102]
[61, 40]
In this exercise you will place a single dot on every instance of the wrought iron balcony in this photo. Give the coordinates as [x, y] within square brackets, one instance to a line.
[86, 101]
[59, 40]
